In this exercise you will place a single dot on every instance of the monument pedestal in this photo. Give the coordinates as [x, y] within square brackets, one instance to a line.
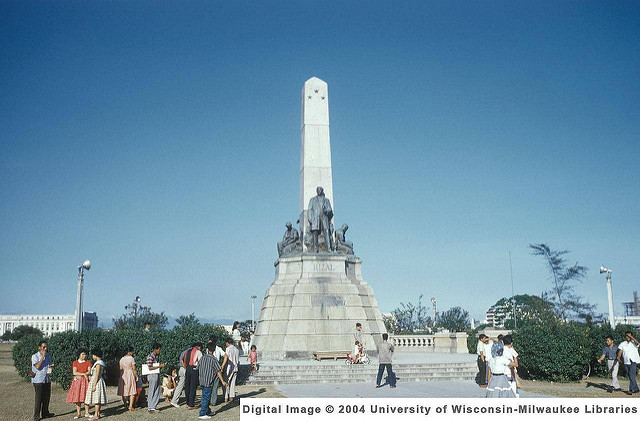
[314, 305]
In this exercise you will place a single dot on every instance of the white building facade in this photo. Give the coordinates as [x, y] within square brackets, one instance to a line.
[495, 316]
[47, 323]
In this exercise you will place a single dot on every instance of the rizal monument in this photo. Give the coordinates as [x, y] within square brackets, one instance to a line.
[318, 294]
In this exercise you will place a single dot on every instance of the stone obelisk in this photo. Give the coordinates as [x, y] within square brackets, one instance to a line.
[315, 148]
[317, 296]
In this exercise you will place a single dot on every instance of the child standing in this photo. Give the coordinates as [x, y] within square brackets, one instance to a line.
[253, 357]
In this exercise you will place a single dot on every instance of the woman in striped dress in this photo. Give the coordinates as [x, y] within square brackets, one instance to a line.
[97, 390]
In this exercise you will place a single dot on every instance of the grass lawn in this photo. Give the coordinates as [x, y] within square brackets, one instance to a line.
[591, 388]
[17, 400]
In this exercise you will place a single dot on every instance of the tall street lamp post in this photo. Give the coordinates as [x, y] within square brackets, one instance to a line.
[435, 312]
[79, 305]
[612, 319]
[253, 314]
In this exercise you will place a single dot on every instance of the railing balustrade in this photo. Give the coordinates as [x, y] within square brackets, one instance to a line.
[412, 341]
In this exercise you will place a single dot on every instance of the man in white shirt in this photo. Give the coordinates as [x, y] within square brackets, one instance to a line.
[484, 355]
[628, 351]
[231, 371]
[40, 363]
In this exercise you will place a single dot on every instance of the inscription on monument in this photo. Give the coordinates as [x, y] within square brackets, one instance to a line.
[327, 301]
[323, 267]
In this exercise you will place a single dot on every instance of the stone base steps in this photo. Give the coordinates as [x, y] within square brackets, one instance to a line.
[309, 374]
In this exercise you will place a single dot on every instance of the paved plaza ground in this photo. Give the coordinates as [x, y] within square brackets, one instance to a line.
[16, 394]
[439, 389]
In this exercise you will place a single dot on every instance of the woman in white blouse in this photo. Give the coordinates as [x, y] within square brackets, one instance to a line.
[498, 386]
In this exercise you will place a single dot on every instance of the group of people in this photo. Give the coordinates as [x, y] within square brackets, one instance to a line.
[206, 366]
[87, 387]
[497, 363]
[627, 353]
[209, 368]
[385, 356]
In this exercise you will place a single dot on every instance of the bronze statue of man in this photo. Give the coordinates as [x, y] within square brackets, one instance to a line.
[319, 216]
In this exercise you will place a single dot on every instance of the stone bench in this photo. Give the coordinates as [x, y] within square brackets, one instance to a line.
[318, 355]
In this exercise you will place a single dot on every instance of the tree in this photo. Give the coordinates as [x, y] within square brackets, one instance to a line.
[136, 319]
[244, 328]
[530, 309]
[188, 321]
[455, 320]
[21, 331]
[564, 279]
[408, 318]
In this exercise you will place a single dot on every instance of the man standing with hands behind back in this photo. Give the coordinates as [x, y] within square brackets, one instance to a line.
[385, 354]
[40, 363]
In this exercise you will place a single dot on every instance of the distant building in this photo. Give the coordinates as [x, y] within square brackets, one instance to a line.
[632, 308]
[47, 323]
[628, 320]
[631, 315]
[496, 316]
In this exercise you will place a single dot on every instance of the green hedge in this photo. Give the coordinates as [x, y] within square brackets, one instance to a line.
[561, 351]
[113, 343]
[556, 352]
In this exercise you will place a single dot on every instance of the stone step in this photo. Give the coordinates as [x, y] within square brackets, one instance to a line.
[370, 379]
[360, 372]
[358, 366]
[360, 375]
[338, 372]
[364, 370]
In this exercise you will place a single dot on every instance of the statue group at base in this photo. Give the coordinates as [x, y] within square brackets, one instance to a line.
[320, 237]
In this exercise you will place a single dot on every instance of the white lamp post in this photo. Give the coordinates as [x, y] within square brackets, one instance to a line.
[435, 312]
[79, 306]
[612, 319]
[253, 317]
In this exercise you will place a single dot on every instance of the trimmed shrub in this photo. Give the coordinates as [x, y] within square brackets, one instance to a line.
[64, 347]
[472, 340]
[557, 352]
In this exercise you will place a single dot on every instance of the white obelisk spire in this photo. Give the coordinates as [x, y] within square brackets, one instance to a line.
[315, 152]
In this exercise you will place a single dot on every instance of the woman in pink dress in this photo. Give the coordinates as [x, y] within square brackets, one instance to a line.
[78, 388]
[128, 378]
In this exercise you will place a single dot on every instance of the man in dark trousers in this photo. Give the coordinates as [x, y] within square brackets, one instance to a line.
[40, 363]
[385, 354]
[210, 373]
[191, 360]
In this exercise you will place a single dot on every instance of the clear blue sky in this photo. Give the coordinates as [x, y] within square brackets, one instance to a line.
[161, 141]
